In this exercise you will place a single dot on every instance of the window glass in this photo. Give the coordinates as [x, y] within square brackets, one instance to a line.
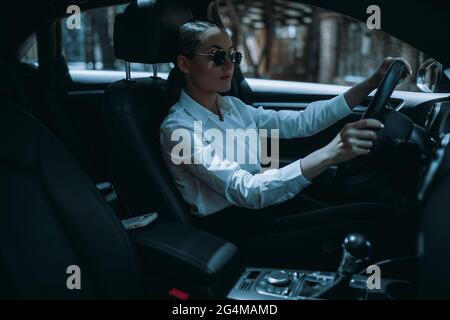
[288, 40]
[29, 51]
[91, 46]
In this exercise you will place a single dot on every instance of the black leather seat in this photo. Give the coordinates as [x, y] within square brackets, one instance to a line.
[12, 87]
[52, 217]
[135, 108]
[134, 111]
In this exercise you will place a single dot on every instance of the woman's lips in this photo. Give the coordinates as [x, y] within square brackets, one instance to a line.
[226, 77]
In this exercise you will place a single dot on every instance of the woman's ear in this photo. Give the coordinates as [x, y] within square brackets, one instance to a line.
[184, 64]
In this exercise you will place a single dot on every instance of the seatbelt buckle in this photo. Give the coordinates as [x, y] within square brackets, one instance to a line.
[139, 221]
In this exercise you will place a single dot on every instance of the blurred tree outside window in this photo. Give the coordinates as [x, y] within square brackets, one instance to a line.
[288, 40]
[280, 39]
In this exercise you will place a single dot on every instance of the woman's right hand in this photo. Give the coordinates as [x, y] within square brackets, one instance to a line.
[355, 139]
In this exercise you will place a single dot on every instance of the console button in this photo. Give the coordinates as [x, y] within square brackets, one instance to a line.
[279, 278]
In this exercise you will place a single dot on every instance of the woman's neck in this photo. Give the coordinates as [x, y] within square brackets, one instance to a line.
[206, 98]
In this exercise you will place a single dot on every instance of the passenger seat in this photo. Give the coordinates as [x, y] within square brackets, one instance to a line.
[52, 217]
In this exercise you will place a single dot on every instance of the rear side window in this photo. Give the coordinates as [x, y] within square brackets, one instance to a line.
[28, 53]
[91, 46]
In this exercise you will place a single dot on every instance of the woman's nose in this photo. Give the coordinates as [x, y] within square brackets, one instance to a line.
[228, 64]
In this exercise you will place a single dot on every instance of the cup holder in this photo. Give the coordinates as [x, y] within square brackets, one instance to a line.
[401, 291]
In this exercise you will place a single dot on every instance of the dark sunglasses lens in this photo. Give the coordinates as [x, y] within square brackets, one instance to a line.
[219, 57]
[236, 58]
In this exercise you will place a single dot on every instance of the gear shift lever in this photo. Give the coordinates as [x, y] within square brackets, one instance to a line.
[357, 249]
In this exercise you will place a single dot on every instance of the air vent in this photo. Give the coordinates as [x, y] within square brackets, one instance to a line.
[246, 285]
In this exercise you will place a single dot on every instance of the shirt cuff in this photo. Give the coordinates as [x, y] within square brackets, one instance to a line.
[340, 107]
[293, 177]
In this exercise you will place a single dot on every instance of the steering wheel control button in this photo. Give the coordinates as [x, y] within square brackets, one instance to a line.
[278, 278]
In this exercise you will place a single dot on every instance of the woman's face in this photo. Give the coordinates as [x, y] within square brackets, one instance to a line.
[202, 71]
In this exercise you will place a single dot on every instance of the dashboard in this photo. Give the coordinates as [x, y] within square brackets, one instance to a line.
[438, 120]
[438, 125]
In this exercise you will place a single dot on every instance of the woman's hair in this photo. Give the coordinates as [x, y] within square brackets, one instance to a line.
[190, 36]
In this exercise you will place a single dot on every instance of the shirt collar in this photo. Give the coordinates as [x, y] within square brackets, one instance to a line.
[198, 111]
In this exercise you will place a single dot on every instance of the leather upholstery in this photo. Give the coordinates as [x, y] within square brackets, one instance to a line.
[51, 217]
[12, 88]
[134, 111]
[199, 255]
[156, 22]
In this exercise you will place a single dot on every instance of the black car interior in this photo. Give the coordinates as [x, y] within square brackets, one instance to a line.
[56, 210]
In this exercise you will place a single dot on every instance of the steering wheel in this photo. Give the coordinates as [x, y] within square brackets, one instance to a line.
[377, 109]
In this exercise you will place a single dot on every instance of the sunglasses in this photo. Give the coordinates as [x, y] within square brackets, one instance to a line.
[219, 57]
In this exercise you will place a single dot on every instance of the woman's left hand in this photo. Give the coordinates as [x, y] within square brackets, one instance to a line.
[378, 75]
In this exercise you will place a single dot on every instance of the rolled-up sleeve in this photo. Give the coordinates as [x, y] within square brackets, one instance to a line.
[237, 185]
[317, 116]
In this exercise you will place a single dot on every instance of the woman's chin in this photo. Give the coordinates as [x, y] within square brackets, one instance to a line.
[224, 88]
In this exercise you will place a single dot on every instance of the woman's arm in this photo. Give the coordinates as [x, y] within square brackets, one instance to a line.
[319, 115]
[225, 176]
[355, 139]
[356, 94]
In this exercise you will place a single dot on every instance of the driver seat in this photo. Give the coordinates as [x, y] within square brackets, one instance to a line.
[135, 108]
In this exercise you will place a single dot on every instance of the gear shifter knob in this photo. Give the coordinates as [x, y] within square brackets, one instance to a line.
[358, 246]
[357, 249]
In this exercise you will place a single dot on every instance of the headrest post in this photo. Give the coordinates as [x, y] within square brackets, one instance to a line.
[127, 70]
[155, 70]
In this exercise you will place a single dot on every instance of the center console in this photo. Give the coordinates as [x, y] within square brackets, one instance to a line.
[287, 284]
[180, 258]
[281, 284]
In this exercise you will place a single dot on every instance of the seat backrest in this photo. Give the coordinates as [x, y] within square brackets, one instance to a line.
[12, 86]
[134, 110]
[52, 217]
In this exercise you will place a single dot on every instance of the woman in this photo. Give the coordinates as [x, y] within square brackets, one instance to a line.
[224, 192]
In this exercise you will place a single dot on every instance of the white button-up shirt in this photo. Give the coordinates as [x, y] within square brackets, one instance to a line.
[210, 186]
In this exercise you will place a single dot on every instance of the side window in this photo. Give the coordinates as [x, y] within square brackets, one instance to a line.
[91, 46]
[28, 53]
[287, 40]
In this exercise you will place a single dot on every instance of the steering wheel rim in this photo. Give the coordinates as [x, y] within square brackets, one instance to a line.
[377, 108]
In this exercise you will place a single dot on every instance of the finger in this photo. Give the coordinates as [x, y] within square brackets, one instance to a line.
[362, 134]
[408, 69]
[360, 151]
[389, 60]
[367, 124]
[363, 144]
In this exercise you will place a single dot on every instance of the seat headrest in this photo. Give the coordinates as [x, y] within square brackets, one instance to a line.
[147, 30]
